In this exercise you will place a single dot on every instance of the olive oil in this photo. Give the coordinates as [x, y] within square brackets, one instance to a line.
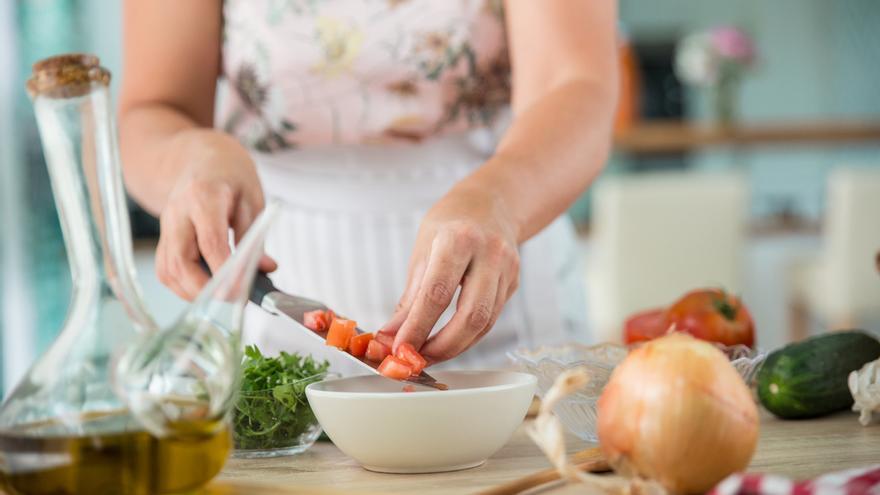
[35, 461]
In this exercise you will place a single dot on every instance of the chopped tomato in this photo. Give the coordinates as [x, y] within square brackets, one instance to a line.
[409, 354]
[358, 344]
[385, 338]
[394, 368]
[409, 388]
[316, 320]
[377, 351]
[340, 333]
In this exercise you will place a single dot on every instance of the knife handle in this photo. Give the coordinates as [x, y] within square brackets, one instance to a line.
[261, 287]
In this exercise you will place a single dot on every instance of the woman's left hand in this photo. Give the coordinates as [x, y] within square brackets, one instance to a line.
[467, 239]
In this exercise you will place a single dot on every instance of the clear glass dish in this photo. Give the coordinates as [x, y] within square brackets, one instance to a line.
[277, 421]
[746, 360]
[578, 411]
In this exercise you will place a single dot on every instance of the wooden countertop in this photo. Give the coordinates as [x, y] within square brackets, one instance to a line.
[799, 449]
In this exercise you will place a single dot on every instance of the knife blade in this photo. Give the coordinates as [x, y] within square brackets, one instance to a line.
[265, 295]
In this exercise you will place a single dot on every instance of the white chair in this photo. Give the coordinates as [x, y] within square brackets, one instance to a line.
[841, 287]
[655, 236]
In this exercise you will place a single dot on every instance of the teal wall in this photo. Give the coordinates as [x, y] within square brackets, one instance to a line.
[34, 264]
[818, 59]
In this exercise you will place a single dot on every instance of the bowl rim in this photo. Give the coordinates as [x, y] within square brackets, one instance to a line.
[523, 380]
[530, 356]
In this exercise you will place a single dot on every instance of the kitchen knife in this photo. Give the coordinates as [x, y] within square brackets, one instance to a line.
[265, 295]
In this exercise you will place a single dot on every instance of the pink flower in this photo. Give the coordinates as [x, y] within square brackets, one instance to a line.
[730, 42]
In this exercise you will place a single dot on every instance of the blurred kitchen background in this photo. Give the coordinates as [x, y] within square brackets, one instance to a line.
[747, 155]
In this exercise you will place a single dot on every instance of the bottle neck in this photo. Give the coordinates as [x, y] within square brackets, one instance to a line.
[79, 141]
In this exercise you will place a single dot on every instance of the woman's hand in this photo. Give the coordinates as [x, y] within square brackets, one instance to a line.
[199, 181]
[467, 239]
[217, 190]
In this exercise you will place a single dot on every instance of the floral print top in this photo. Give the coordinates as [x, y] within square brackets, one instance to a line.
[316, 72]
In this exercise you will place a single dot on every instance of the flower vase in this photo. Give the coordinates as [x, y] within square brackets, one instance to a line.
[724, 102]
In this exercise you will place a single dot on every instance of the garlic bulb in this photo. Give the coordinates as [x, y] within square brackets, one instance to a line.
[864, 385]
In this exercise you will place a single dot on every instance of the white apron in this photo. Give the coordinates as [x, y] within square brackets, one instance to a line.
[346, 233]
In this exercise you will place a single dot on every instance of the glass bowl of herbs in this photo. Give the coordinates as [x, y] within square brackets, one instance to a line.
[272, 416]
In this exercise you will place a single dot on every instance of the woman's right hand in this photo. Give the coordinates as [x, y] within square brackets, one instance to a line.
[216, 190]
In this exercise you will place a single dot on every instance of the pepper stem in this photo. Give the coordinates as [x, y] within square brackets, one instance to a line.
[723, 306]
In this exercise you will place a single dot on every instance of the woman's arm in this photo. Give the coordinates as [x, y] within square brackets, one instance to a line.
[565, 84]
[563, 55]
[199, 181]
[171, 55]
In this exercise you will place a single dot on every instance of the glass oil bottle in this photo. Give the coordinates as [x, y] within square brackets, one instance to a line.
[117, 405]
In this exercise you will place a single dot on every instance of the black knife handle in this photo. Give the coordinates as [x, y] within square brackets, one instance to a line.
[261, 287]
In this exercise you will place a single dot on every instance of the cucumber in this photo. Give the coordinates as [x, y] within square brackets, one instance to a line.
[809, 378]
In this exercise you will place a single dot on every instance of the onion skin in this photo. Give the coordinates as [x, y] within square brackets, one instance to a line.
[677, 412]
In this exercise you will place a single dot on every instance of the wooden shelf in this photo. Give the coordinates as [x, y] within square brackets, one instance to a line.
[663, 137]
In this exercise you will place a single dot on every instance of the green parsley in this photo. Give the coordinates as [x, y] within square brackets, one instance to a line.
[272, 410]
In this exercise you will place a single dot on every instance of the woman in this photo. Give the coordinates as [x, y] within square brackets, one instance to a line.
[375, 121]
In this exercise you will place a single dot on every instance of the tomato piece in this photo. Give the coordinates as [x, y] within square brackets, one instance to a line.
[340, 333]
[357, 347]
[409, 388]
[395, 368]
[714, 315]
[646, 325]
[377, 351]
[409, 354]
[385, 338]
[316, 320]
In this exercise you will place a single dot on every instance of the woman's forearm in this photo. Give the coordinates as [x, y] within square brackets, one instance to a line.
[148, 135]
[157, 142]
[550, 154]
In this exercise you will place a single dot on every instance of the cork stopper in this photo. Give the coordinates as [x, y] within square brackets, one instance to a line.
[66, 76]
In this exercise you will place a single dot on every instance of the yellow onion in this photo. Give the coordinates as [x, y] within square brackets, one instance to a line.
[677, 412]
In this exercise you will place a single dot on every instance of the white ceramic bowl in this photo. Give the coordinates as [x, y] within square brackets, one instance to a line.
[427, 431]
